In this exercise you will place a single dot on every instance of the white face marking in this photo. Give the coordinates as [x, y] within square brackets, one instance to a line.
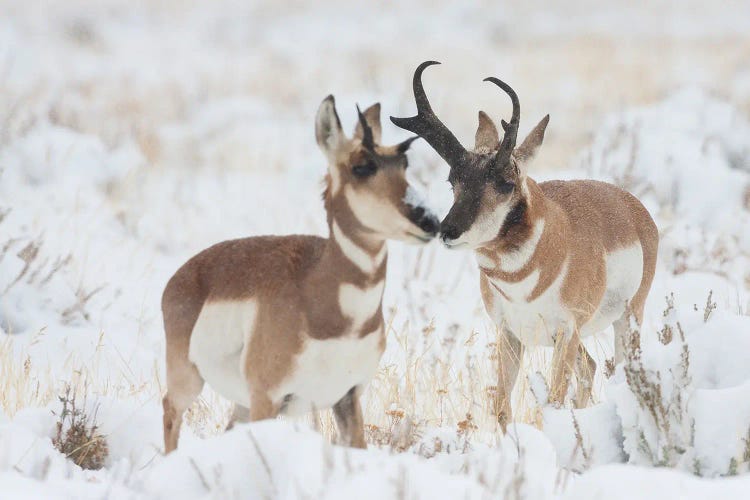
[624, 274]
[360, 257]
[325, 370]
[360, 304]
[486, 226]
[218, 346]
[380, 215]
[517, 260]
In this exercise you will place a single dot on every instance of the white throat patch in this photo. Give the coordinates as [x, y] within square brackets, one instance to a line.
[360, 257]
[360, 304]
[515, 261]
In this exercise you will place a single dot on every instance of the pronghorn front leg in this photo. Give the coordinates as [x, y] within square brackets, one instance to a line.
[563, 361]
[509, 353]
[348, 413]
[261, 407]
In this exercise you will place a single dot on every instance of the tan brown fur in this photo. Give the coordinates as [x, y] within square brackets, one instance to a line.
[584, 221]
[558, 256]
[295, 282]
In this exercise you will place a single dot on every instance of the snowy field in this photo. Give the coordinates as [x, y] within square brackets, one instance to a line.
[134, 134]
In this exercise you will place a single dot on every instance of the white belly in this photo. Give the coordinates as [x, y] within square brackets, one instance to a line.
[325, 370]
[320, 375]
[535, 323]
[217, 346]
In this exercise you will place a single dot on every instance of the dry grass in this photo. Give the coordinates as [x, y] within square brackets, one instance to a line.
[422, 390]
[77, 434]
[22, 384]
[667, 411]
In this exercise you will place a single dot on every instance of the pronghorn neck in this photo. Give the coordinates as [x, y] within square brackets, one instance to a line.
[523, 246]
[353, 249]
[348, 278]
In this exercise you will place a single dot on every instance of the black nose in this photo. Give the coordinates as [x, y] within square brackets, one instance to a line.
[449, 233]
[429, 224]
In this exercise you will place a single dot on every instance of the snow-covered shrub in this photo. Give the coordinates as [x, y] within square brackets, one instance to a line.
[77, 435]
[688, 159]
[665, 432]
[686, 404]
[688, 153]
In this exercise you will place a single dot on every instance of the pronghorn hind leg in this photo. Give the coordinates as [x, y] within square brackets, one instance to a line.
[563, 361]
[585, 369]
[621, 328]
[509, 354]
[261, 407]
[240, 414]
[349, 420]
[184, 385]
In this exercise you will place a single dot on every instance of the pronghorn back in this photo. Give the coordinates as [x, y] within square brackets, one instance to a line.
[241, 268]
[242, 278]
[605, 218]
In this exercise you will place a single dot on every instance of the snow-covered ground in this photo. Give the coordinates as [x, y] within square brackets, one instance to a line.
[132, 136]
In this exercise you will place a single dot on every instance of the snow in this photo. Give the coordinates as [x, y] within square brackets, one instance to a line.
[133, 136]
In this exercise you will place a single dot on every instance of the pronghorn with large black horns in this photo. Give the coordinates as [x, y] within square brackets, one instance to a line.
[558, 260]
[285, 324]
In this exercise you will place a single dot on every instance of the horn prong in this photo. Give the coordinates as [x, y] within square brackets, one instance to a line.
[427, 125]
[367, 139]
[403, 146]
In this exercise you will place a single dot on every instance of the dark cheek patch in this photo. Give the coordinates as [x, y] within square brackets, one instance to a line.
[514, 220]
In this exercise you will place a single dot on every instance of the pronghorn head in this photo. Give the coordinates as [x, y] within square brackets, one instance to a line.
[366, 187]
[489, 188]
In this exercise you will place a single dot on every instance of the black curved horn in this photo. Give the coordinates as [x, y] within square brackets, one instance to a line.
[367, 140]
[427, 125]
[511, 128]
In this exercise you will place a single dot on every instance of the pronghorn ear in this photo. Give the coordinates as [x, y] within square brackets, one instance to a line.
[328, 130]
[486, 136]
[526, 151]
[372, 117]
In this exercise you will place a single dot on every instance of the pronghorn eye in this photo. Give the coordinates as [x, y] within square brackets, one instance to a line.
[364, 170]
[505, 187]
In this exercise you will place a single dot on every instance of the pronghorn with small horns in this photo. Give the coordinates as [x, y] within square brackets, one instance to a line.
[286, 324]
[558, 260]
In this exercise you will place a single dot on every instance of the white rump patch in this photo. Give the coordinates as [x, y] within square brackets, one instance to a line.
[360, 257]
[218, 345]
[624, 274]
